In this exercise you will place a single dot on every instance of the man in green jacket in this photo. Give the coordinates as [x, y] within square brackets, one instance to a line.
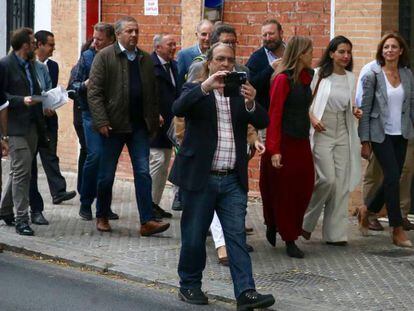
[123, 100]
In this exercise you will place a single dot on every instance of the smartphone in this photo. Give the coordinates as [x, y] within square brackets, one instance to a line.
[233, 82]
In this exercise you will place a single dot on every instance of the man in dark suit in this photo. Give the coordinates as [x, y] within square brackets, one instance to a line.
[263, 62]
[211, 170]
[45, 45]
[26, 127]
[166, 72]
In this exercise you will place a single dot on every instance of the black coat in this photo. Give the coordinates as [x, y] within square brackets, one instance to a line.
[260, 75]
[16, 87]
[52, 122]
[192, 164]
[168, 93]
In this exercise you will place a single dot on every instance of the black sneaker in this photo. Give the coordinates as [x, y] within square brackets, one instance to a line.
[113, 216]
[293, 251]
[85, 212]
[63, 196]
[193, 296]
[250, 299]
[23, 228]
[159, 212]
[38, 219]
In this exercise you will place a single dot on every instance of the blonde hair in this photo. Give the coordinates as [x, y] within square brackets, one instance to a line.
[296, 47]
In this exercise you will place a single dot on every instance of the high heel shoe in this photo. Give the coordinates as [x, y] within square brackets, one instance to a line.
[399, 237]
[8, 219]
[363, 221]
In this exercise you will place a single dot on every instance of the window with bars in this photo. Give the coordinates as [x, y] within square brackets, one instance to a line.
[20, 13]
[406, 22]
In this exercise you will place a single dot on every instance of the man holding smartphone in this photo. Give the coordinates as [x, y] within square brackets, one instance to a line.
[211, 170]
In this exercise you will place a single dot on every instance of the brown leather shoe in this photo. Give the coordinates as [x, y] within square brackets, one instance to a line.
[400, 238]
[375, 225]
[407, 225]
[102, 224]
[152, 227]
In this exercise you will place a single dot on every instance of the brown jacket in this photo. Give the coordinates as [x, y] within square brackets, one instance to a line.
[108, 90]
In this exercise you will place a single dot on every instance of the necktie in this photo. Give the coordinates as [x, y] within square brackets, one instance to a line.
[167, 67]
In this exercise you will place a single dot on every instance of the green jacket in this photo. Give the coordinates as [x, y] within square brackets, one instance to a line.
[108, 91]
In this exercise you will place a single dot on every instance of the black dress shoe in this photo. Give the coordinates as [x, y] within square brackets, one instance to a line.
[250, 299]
[39, 219]
[85, 212]
[23, 228]
[64, 196]
[8, 219]
[159, 212]
[271, 235]
[194, 296]
[293, 251]
[249, 248]
[112, 215]
[339, 243]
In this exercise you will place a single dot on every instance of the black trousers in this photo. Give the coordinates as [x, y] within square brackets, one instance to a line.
[50, 163]
[391, 155]
[78, 125]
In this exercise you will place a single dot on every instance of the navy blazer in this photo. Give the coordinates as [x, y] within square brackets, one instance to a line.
[260, 75]
[168, 93]
[185, 58]
[53, 71]
[193, 161]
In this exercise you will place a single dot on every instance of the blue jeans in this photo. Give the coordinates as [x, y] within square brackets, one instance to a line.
[138, 149]
[225, 195]
[91, 166]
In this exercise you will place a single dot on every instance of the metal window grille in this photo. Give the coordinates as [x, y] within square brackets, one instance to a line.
[406, 25]
[20, 13]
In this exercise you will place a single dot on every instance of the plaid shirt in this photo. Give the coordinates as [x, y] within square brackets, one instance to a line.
[225, 154]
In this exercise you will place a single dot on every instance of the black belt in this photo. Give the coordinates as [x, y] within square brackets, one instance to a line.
[223, 172]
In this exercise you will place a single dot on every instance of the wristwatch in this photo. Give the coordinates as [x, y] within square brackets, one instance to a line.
[5, 138]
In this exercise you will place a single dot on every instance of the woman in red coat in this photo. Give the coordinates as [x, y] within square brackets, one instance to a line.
[287, 171]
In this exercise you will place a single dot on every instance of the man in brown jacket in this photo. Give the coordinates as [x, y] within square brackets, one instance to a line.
[123, 100]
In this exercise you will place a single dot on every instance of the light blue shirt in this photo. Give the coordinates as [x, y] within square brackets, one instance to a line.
[131, 55]
[367, 68]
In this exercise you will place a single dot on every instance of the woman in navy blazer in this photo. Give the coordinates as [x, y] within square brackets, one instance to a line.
[385, 127]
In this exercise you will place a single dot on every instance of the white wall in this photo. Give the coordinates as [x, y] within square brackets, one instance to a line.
[43, 15]
[3, 28]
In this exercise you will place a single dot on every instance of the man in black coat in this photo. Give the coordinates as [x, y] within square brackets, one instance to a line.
[25, 127]
[45, 45]
[211, 170]
[263, 62]
[166, 72]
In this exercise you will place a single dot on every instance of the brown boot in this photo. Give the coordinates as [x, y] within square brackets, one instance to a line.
[152, 227]
[407, 225]
[400, 238]
[102, 224]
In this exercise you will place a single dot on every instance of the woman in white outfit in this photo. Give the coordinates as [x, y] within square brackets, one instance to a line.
[335, 143]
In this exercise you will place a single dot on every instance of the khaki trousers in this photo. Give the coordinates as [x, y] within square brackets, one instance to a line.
[373, 179]
[159, 162]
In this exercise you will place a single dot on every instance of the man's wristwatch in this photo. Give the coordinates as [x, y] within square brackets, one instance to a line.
[5, 138]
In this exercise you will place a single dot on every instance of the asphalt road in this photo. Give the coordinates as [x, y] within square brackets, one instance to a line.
[29, 284]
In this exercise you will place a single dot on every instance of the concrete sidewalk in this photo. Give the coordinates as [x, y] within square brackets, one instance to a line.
[369, 274]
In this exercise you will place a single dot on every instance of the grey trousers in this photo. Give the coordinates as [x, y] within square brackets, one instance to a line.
[159, 162]
[331, 192]
[16, 193]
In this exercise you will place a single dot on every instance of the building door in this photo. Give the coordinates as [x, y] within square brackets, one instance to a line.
[407, 25]
[20, 13]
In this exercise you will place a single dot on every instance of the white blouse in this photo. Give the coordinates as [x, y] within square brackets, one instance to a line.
[339, 96]
[395, 102]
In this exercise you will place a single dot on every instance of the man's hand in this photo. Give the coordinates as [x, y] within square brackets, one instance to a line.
[366, 150]
[260, 148]
[4, 148]
[215, 81]
[248, 92]
[104, 130]
[317, 124]
[29, 101]
[357, 112]
[49, 112]
[276, 160]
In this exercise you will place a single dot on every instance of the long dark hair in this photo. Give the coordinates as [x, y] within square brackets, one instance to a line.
[326, 62]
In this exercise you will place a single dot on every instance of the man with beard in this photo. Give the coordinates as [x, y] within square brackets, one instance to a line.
[263, 61]
[26, 127]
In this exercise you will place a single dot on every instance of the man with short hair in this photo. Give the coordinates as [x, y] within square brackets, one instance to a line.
[123, 100]
[211, 170]
[186, 56]
[45, 45]
[263, 62]
[103, 36]
[166, 73]
[26, 127]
